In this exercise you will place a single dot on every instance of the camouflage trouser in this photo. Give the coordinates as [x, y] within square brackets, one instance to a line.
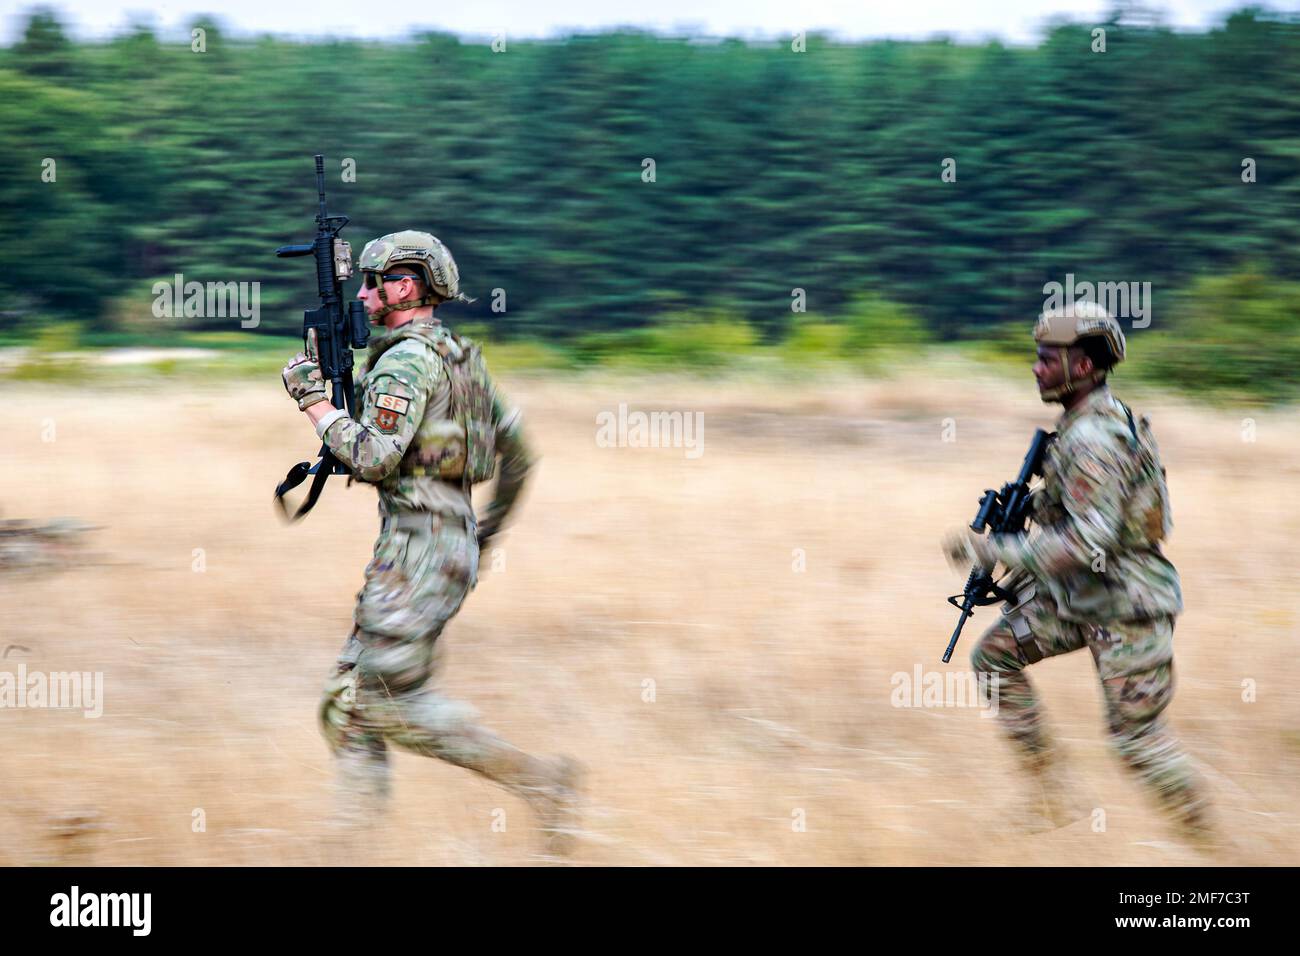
[423, 567]
[1135, 664]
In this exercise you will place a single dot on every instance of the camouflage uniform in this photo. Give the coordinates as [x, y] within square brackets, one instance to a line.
[1093, 575]
[408, 441]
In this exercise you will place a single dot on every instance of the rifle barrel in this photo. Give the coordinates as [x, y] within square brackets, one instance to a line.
[961, 622]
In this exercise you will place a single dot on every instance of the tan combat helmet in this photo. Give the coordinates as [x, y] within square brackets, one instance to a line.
[1070, 325]
[423, 252]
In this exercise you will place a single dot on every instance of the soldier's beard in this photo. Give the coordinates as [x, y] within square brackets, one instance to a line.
[1053, 394]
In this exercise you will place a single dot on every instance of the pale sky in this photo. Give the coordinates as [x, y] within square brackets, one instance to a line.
[1017, 21]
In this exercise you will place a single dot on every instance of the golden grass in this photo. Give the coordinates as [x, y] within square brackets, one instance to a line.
[772, 687]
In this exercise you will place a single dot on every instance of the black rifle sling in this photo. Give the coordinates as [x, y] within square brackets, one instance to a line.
[296, 476]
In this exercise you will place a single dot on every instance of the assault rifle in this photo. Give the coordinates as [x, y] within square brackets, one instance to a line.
[1001, 512]
[333, 330]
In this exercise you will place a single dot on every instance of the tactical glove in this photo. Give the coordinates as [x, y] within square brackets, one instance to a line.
[302, 377]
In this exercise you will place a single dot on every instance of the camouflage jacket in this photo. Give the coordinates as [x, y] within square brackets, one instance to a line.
[404, 436]
[1101, 513]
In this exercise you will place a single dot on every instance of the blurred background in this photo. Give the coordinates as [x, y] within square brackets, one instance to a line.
[773, 170]
[747, 220]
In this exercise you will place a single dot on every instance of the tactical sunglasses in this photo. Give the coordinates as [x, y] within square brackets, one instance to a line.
[368, 278]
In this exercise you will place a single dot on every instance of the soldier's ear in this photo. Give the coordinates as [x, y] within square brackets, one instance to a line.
[1083, 364]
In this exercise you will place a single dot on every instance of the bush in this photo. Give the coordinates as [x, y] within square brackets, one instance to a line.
[816, 342]
[1005, 343]
[1235, 334]
[876, 323]
[695, 340]
[867, 331]
[524, 355]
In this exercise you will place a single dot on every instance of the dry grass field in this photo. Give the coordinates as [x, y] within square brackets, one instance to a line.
[770, 737]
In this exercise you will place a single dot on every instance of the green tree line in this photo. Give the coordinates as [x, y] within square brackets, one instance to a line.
[775, 167]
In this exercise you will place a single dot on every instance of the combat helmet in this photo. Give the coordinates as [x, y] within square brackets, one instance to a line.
[1070, 325]
[426, 254]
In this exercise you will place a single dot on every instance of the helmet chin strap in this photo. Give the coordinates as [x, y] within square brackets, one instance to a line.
[1070, 384]
[401, 306]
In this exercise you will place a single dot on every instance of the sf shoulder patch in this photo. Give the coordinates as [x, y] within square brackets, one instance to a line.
[393, 403]
[388, 411]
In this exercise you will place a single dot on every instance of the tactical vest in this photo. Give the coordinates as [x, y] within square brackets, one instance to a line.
[1146, 520]
[1148, 509]
[462, 446]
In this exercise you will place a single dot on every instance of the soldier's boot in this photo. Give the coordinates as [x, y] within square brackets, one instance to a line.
[1055, 801]
[1058, 801]
[361, 792]
[1189, 810]
[558, 805]
[1200, 830]
[551, 787]
[430, 724]
[361, 784]
[1152, 753]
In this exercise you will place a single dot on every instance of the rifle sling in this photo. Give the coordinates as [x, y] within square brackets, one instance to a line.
[296, 476]
[1024, 638]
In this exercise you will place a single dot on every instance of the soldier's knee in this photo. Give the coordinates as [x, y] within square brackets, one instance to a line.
[1135, 704]
[393, 665]
[337, 704]
[995, 652]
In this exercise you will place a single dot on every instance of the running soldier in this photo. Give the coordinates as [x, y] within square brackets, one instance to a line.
[430, 425]
[1093, 574]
